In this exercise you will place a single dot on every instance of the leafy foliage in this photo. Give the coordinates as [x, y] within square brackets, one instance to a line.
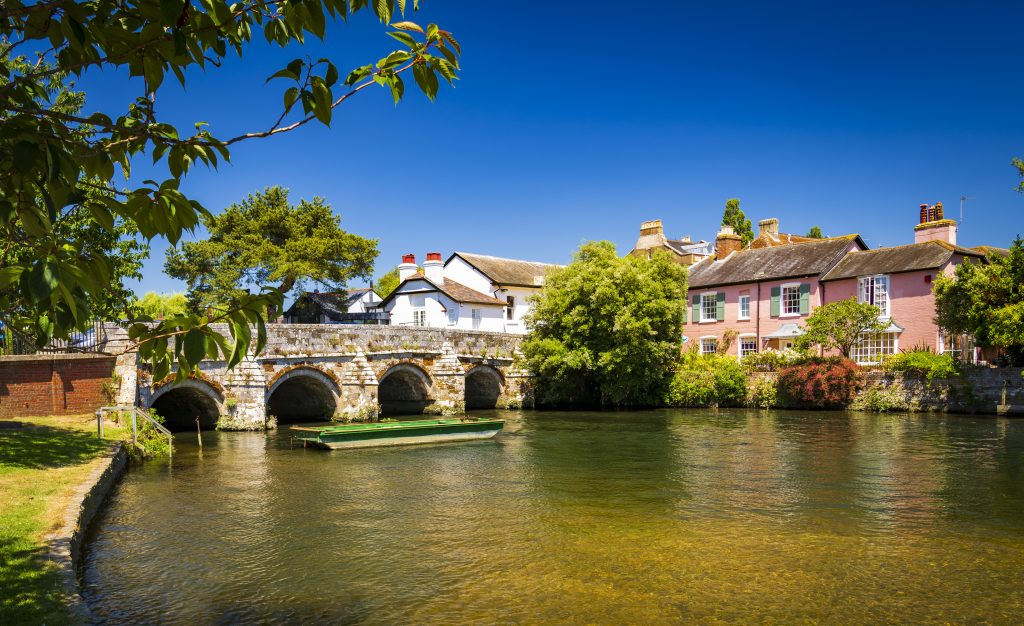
[263, 240]
[821, 383]
[607, 329]
[161, 305]
[387, 283]
[923, 362]
[815, 233]
[707, 380]
[763, 393]
[734, 217]
[881, 399]
[986, 301]
[838, 325]
[1019, 164]
[49, 153]
[773, 360]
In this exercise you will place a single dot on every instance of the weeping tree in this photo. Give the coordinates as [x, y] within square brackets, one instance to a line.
[265, 240]
[49, 155]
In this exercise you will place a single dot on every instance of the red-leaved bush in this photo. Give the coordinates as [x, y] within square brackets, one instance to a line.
[821, 383]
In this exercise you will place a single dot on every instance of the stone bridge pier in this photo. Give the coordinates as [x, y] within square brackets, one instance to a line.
[310, 372]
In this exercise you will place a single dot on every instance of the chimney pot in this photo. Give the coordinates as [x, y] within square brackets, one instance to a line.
[938, 211]
[433, 268]
[727, 242]
[407, 267]
[924, 214]
[768, 226]
[433, 256]
[409, 258]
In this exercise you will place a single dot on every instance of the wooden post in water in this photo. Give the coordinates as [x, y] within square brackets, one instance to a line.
[199, 432]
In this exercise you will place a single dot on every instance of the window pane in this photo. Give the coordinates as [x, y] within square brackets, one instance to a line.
[791, 300]
[870, 348]
[744, 306]
[748, 345]
[708, 307]
[708, 346]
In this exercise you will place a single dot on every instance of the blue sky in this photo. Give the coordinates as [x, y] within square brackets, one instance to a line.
[577, 121]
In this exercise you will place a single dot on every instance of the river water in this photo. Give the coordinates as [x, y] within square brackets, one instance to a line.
[628, 517]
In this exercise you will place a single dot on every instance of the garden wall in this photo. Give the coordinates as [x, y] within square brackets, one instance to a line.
[977, 390]
[53, 384]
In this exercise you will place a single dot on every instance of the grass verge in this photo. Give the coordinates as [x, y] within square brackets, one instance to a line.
[41, 465]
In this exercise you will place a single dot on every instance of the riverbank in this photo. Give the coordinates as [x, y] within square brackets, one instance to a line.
[46, 469]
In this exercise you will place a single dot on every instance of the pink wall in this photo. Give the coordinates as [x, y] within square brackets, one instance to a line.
[760, 309]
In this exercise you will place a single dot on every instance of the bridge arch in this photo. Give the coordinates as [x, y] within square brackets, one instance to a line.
[302, 394]
[404, 389]
[484, 385]
[180, 403]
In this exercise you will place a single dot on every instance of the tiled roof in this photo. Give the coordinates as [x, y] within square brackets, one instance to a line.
[806, 259]
[506, 271]
[781, 239]
[455, 291]
[333, 304]
[908, 258]
[986, 250]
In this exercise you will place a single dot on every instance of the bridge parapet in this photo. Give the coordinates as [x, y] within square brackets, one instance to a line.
[342, 367]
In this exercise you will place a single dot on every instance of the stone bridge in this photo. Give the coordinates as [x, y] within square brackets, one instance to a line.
[311, 372]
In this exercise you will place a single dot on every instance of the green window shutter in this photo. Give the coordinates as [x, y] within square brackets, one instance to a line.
[805, 298]
[776, 297]
[720, 307]
[695, 315]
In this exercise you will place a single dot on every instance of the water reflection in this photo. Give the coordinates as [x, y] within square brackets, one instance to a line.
[631, 517]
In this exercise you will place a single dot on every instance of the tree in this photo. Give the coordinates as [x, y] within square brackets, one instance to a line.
[388, 283]
[607, 329]
[986, 301]
[159, 306]
[1019, 164]
[734, 217]
[839, 325]
[815, 233]
[264, 239]
[47, 155]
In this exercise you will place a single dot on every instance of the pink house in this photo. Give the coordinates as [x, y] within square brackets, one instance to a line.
[762, 296]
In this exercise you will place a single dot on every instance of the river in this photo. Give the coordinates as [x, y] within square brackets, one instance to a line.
[644, 517]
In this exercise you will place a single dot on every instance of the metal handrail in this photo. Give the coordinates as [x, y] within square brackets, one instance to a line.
[136, 413]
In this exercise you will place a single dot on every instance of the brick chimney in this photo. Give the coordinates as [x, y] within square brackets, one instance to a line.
[727, 242]
[433, 268]
[408, 266]
[769, 227]
[933, 226]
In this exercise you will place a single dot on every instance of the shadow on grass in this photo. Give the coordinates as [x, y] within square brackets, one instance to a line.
[32, 591]
[43, 447]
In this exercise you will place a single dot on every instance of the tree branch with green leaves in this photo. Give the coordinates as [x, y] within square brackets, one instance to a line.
[51, 155]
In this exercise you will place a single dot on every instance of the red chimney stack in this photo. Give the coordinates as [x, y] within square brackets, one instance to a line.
[409, 258]
[433, 256]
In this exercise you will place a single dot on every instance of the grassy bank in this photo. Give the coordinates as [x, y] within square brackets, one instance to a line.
[41, 465]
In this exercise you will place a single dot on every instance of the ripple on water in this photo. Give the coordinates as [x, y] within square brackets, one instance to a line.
[645, 517]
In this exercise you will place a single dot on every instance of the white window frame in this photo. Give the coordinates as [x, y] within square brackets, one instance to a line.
[739, 307]
[782, 300]
[868, 354]
[868, 290]
[707, 296]
[510, 305]
[713, 338]
[419, 317]
[453, 315]
[475, 316]
[752, 338]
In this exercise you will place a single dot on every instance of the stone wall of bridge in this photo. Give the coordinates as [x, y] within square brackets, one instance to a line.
[341, 372]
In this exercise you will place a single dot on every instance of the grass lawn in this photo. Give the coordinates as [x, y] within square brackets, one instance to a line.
[40, 468]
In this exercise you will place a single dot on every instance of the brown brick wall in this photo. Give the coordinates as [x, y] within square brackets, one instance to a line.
[62, 384]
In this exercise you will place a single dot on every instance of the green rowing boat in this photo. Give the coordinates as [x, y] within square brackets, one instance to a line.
[397, 433]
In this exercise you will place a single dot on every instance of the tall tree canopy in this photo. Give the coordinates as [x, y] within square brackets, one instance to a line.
[161, 305]
[607, 329]
[839, 325]
[387, 283]
[265, 240]
[47, 154]
[986, 301]
[815, 233]
[734, 217]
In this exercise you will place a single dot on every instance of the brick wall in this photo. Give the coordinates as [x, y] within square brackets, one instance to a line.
[56, 384]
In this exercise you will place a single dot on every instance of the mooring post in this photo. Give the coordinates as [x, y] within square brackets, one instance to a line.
[135, 439]
[199, 432]
[99, 424]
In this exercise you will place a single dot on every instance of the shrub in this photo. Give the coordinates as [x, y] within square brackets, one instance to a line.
[923, 362]
[707, 380]
[819, 383]
[763, 393]
[881, 399]
[773, 360]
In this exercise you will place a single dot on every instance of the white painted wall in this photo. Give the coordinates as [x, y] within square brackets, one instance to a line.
[366, 300]
[441, 311]
[461, 272]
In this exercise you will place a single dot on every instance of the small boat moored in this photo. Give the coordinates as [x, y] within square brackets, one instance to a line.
[398, 433]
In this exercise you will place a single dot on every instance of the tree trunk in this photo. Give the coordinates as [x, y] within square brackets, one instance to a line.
[284, 288]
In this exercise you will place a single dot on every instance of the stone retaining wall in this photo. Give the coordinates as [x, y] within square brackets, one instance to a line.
[65, 545]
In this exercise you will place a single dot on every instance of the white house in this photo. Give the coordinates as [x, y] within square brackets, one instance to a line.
[471, 291]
